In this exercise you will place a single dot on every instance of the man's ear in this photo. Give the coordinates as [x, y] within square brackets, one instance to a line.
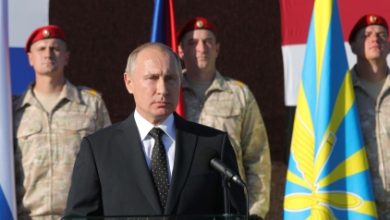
[353, 46]
[180, 51]
[67, 57]
[128, 82]
[29, 58]
[217, 47]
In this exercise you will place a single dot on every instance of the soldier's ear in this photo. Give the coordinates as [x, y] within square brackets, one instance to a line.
[353, 46]
[29, 57]
[180, 51]
[217, 47]
[67, 55]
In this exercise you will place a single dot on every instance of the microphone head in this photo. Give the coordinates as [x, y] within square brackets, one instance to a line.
[224, 170]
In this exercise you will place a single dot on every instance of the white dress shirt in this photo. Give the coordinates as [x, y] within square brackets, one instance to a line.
[169, 139]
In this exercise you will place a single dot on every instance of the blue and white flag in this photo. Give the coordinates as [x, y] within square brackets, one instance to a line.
[24, 17]
[7, 177]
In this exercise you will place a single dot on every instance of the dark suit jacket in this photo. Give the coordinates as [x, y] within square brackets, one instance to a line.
[111, 176]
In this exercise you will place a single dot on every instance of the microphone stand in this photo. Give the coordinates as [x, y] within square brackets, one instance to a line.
[230, 176]
[226, 196]
[225, 184]
[247, 201]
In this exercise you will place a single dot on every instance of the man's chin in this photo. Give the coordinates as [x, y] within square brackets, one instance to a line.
[161, 117]
[163, 112]
[202, 64]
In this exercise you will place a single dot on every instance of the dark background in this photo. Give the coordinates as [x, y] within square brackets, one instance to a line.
[102, 33]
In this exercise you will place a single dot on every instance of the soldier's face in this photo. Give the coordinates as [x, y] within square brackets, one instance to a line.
[48, 56]
[155, 84]
[371, 43]
[199, 50]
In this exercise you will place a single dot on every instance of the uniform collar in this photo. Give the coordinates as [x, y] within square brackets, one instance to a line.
[69, 92]
[219, 82]
[356, 81]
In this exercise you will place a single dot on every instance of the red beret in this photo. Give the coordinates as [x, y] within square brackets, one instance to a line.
[44, 32]
[365, 21]
[197, 23]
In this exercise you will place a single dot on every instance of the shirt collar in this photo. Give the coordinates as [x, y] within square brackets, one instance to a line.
[145, 126]
[70, 92]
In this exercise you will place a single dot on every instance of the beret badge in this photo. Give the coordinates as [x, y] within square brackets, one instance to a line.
[46, 33]
[199, 24]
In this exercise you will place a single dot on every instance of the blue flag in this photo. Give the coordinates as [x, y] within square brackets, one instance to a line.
[7, 183]
[328, 175]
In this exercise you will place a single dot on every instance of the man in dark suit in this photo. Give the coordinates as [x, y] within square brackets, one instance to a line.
[154, 162]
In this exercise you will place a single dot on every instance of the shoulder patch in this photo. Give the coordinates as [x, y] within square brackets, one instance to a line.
[238, 83]
[89, 91]
[92, 92]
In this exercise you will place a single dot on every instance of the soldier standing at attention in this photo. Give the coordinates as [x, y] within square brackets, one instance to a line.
[371, 81]
[50, 119]
[223, 103]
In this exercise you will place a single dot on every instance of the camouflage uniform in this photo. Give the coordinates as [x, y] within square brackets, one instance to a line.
[375, 123]
[230, 106]
[46, 145]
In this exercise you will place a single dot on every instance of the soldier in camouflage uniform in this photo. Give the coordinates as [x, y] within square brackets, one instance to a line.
[371, 81]
[226, 104]
[50, 120]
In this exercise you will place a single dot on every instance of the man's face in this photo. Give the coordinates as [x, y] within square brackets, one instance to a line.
[199, 50]
[371, 43]
[48, 56]
[154, 83]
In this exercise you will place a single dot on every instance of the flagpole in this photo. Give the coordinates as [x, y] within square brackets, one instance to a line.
[7, 176]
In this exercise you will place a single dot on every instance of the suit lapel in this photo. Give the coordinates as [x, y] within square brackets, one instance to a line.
[131, 147]
[185, 146]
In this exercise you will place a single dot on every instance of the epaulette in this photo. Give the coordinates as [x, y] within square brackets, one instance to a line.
[89, 91]
[239, 83]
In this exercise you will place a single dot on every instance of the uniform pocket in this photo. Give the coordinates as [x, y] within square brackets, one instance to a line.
[27, 129]
[75, 122]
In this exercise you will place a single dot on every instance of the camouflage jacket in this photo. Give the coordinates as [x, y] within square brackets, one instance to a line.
[46, 144]
[230, 106]
[375, 123]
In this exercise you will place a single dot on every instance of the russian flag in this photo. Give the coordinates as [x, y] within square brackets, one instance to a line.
[164, 31]
[24, 17]
[18, 19]
[7, 176]
[295, 19]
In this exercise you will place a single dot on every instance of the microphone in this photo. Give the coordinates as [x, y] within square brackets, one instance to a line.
[223, 169]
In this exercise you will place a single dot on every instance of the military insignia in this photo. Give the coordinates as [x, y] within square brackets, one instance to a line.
[372, 19]
[46, 33]
[199, 24]
[91, 92]
[239, 83]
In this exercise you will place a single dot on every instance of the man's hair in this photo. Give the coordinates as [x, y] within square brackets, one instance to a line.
[131, 60]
